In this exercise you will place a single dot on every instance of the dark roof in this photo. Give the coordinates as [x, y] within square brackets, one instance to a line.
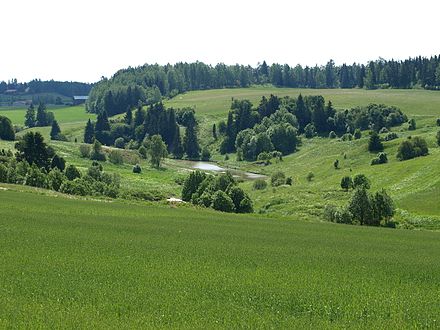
[80, 97]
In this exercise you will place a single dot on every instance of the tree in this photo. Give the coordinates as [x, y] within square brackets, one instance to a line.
[360, 180]
[177, 144]
[102, 123]
[411, 148]
[190, 143]
[222, 202]
[97, 153]
[89, 132]
[55, 131]
[34, 150]
[72, 172]
[29, 117]
[191, 184]
[157, 150]
[383, 207]
[412, 125]
[309, 131]
[214, 132]
[360, 206]
[128, 119]
[7, 131]
[375, 143]
[41, 115]
[346, 183]
[58, 162]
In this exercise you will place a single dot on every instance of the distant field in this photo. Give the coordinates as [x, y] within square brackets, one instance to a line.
[62, 114]
[94, 264]
[411, 101]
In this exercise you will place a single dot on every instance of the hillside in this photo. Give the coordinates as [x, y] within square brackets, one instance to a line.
[89, 263]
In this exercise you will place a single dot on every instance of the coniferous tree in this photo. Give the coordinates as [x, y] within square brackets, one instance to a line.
[178, 150]
[7, 131]
[30, 119]
[128, 119]
[214, 132]
[190, 143]
[89, 132]
[55, 131]
[375, 143]
[41, 115]
[102, 123]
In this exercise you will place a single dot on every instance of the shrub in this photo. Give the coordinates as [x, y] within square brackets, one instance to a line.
[289, 180]
[438, 121]
[206, 155]
[360, 180]
[143, 152]
[332, 135]
[357, 134]
[97, 153]
[309, 131]
[55, 179]
[278, 179]
[72, 172]
[412, 148]
[310, 176]
[137, 169]
[346, 183]
[391, 136]
[191, 184]
[58, 162]
[222, 202]
[412, 125]
[120, 143]
[115, 157]
[336, 164]
[383, 130]
[438, 138]
[84, 150]
[259, 184]
[375, 143]
[380, 159]
[3, 173]
[35, 177]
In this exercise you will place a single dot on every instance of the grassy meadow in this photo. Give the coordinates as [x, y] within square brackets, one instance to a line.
[77, 263]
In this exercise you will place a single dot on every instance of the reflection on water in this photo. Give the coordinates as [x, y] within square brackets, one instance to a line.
[205, 166]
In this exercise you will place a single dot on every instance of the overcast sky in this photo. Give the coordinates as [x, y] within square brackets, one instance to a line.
[83, 40]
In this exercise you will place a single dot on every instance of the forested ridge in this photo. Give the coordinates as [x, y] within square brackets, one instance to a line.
[147, 84]
[66, 88]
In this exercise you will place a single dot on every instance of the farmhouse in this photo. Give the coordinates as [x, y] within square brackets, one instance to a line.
[79, 99]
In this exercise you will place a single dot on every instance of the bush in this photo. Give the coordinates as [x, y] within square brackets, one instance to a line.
[391, 136]
[97, 153]
[137, 169]
[309, 131]
[347, 137]
[259, 184]
[84, 150]
[438, 121]
[35, 177]
[55, 179]
[72, 172]
[380, 159]
[289, 180]
[346, 183]
[206, 155]
[338, 215]
[115, 157]
[412, 148]
[3, 173]
[375, 143]
[438, 138]
[383, 130]
[222, 202]
[143, 152]
[310, 176]
[412, 125]
[357, 134]
[120, 143]
[332, 135]
[278, 179]
[360, 180]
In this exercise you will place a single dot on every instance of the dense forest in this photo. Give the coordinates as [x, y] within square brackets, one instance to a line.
[147, 84]
[66, 88]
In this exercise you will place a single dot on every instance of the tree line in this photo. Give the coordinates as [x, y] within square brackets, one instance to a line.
[66, 88]
[149, 83]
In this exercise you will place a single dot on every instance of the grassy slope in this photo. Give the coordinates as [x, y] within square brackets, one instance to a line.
[88, 264]
[414, 184]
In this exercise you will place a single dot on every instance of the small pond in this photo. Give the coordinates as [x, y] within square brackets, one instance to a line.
[208, 166]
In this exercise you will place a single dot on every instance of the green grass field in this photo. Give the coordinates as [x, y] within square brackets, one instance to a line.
[63, 115]
[76, 263]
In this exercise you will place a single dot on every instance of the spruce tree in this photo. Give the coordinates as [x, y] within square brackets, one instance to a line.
[190, 143]
[128, 116]
[375, 143]
[102, 123]
[41, 115]
[55, 130]
[29, 117]
[177, 144]
[214, 132]
[89, 132]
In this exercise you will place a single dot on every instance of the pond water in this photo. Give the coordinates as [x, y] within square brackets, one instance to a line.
[207, 166]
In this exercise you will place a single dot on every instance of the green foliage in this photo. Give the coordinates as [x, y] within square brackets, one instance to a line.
[115, 157]
[206, 154]
[7, 131]
[310, 176]
[412, 148]
[381, 158]
[89, 132]
[34, 150]
[438, 138]
[35, 177]
[391, 136]
[29, 118]
[360, 206]
[309, 131]
[157, 150]
[58, 162]
[222, 202]
[361, 181]
[191, 184]
[143, 152]
[55, 131]
[332, 135]
[278, 179]
[412, 124]
[346, 183]
[72, 172]
[55, 179]
[120, 143]
[97, 153]
[375, 143]
[336, 164]
[84, 150]
[259, 184]
[357, 134]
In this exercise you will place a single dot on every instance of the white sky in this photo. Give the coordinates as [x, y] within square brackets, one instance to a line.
[83, 40]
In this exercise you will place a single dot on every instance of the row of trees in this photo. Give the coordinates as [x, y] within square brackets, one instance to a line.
[66, 88]
[148, 83]
[138, 127]
[39, 117]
